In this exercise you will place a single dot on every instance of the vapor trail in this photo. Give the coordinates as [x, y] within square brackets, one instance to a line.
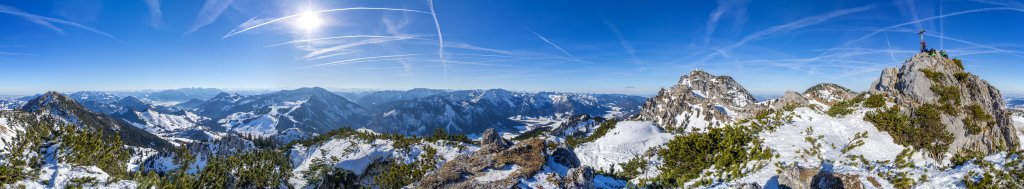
[340, 37]
[804, 22]
[210, 12]
[47, 22]
[922, 20]
[552, 44]
[355, 44]
[1015, 53]
[362, 59]
[891, 55]
[244, 29]
[440, 39]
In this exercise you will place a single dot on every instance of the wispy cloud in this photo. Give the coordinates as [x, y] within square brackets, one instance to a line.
[366, 59]
[356, 44]
[622, 40]
[210, 12]
[553, 44]
[738, 9]
[48, 22]
[344, 37]
[895, 27]
[246, 27]
[155, 15]
[804, 22]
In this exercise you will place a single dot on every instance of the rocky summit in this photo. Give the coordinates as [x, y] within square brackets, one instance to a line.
[829, 93]
[930, 79]
[699, 100]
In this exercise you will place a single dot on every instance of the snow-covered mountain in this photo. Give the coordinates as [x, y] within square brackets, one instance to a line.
[313, 110]
[68, 110]
[829, 93]
[473, 111]
[698, 101]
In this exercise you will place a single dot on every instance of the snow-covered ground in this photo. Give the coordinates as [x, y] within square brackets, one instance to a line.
[627, 140]
[357, 155]
[261, 124]
[831, 135]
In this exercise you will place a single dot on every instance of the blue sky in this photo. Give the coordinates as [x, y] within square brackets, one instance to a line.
[528, 45]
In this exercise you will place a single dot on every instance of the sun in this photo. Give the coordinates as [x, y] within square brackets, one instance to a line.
[309, 21]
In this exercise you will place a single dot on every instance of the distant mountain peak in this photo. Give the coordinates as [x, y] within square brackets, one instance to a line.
[829, 93]
[699, 100]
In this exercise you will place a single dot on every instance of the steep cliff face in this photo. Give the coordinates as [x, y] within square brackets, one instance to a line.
[699, 100]
[972, 110]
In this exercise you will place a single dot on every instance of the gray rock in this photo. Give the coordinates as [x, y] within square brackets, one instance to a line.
[699, 95]
[829, 93]
[564, 156]
[910, 87]
[492, 141]
[580, 177]
[790, 98]
[794, 176]
[749, 185]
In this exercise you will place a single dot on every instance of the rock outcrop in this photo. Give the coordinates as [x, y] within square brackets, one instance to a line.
[794, 176]
[577, 125]
[699, 100]
[580, 177]
[829, 93]
[790, 98]
[940, 81]
[512, 163]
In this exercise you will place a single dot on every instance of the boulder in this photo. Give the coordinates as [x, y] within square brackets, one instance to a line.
[580, 177]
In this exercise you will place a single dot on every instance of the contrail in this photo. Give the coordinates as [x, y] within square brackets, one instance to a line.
[1015, 53]
[244, 29]
[891, 55]
[804, 22]
[440, 39]
[210, 12]
[354, 44]
[47, 22]
[341, 37]
[925, 19]
[362, 59]
[622, 40]
[552, 44]
[331, 55]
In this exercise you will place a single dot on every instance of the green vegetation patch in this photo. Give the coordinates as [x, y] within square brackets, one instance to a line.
[728, 149]
[933, 75]
[922, 130]
[875, 101]
[845, 107]
[977, 120]
[598, 133]
[1007, 176]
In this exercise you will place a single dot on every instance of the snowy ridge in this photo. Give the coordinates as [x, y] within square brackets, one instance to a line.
[627, 140]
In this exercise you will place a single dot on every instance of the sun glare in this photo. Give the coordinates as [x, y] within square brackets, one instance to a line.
[309, 21]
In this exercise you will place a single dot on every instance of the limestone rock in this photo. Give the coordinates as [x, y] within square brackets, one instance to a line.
[911, 86]
[524, 159]
[580, 177]
[492, 141]
[698, 100]
[794, 176]
[564, 156]
[829, 93]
